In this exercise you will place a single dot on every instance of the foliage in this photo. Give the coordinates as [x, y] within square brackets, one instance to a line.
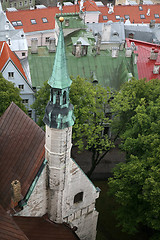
[8, 94]
[42, 98]
[135, 184]
[90, 109]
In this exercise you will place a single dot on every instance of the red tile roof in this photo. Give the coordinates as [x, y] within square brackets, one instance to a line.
[90, 6]
[8, 228]
[25, 17]
[133, 12]
[6, 54]
[21, 151]
[39, 228]
[144, 64]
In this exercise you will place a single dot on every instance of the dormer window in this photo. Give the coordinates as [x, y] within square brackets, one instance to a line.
[78, 197]
[33, 21]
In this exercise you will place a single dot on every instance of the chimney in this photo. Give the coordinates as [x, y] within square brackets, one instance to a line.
[52, 45]
[115, 52]
[148, 12]
[66, 22]
[135, 58]
[16, 191]
[152, 24]
[128, 52]
[156, 68]
[153, 54]
[78, 49]
[111, 10]
[34, 45]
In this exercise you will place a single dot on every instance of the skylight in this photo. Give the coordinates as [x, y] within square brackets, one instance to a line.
[17, 23]
[118, 17]
[142, 16]
[44, 20]
[33, 21]
[14, 24]
[156, 15]
[126, 17]
[105, 18]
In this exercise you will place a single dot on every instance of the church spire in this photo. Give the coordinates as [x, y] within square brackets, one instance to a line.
[59, 111]
[60, 77]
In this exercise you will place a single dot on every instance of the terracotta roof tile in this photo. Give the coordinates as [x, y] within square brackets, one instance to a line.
[25, 17]
[144, 64]
[6, 54]
[39, 228]
[8, 228]
[21, 151]
[133, 12]
[90, 6]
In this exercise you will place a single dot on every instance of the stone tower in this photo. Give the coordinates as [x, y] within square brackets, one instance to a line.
[71, 195]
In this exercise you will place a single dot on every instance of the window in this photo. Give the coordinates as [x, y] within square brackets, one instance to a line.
[21, 87]
[30, 113]
[20, 4]
[30, 1]
[64, 97]
[126, 17]
[140, 8]
[156, 15]
[78, 197]
[14, 24]
[25, 101]
[47, 39]
[19, 23]
[23, 54]
[105, 18]
[44, 20]
[10, 75]
[117, 17]
[15, 4]
[142, 16]
[33, 21]
[131, 35]
[25, 2]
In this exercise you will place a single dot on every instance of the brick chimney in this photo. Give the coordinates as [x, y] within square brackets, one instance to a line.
[34, 45]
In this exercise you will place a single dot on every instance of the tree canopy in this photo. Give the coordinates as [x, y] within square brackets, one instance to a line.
[9, 93]
[135, 184]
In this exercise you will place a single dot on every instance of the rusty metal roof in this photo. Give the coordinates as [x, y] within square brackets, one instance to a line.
[8, 228]
[41, 228]
[21, 152]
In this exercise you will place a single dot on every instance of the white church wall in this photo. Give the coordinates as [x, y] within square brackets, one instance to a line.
[37, 203]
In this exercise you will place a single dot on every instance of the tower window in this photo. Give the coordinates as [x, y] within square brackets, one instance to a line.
[58, 97]
[78, 197]
[64, 98]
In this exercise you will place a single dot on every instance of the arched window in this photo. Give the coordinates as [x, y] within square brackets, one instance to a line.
[64, 97]
[51, 94]
[78, 197]
[58, 97]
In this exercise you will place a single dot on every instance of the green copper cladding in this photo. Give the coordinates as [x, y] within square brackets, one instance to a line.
[60, 78]
[59, 111]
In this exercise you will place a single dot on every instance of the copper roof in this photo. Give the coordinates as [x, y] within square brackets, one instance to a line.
[21, 151]
[8, 228]
[39, 228]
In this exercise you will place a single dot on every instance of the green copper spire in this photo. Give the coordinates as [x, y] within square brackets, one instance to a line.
[59, 111]
[60, 78]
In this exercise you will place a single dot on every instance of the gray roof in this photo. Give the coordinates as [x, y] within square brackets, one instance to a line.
[143, 32]
[110, 31]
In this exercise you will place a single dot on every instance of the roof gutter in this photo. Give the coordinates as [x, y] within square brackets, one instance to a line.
[24, 201]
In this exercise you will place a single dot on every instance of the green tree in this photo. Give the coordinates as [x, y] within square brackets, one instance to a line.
[135, 184]
[90, 109]
[8, 94]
